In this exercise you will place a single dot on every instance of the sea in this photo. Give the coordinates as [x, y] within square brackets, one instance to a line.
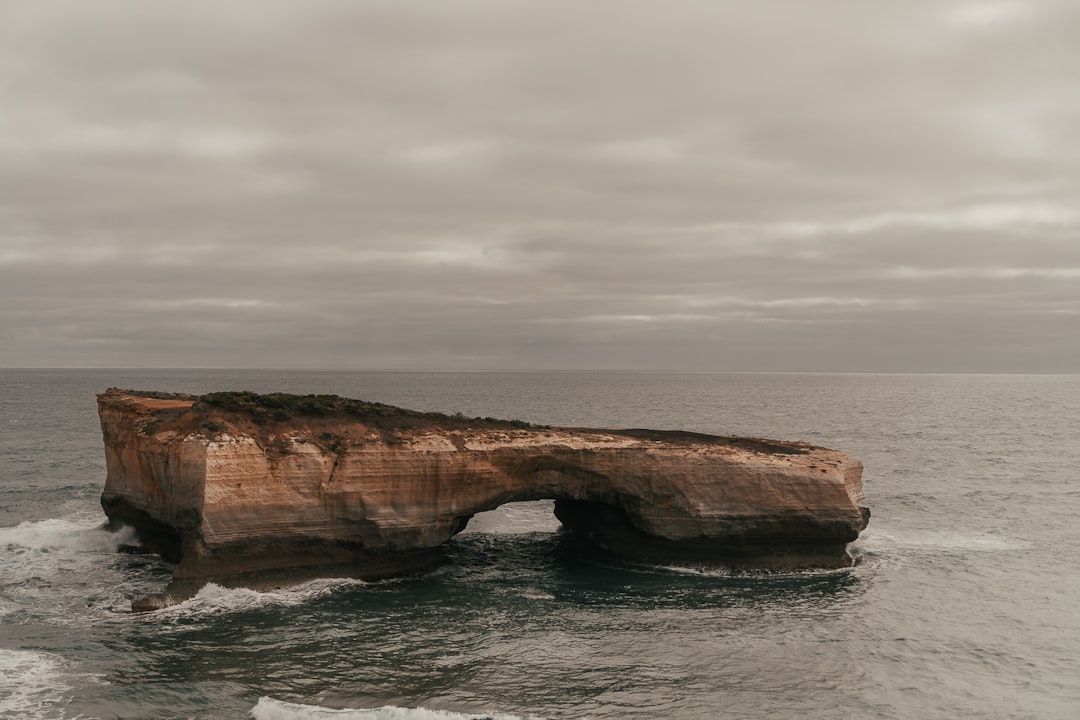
[964, 602]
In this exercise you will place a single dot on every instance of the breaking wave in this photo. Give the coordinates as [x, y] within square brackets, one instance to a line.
[270, 709]
[49, 566]
[69, 534]
[215, 599]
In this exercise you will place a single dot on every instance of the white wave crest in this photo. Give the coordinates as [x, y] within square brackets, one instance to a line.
[64, 534]
[537, 595]
[215, 599]
[31, 684]
[749, 573]
[47, 567]
[270, 709]
[689, 570]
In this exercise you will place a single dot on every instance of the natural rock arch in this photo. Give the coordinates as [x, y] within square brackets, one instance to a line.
[265, 490]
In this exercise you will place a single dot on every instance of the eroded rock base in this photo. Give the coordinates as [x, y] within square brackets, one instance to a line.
[786, 546]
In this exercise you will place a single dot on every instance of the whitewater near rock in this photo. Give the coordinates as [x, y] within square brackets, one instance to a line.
[265, 490]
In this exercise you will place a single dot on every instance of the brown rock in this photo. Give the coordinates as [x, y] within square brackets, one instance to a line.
[266, 490]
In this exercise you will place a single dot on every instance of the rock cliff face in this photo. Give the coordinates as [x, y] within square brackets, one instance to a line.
[264, 490]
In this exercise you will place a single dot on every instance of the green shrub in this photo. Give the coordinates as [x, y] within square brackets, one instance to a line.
[213, 427]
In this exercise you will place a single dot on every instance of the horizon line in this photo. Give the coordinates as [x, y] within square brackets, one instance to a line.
[540, 370]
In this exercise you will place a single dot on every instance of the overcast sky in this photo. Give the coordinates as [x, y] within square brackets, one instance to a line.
[531, 184]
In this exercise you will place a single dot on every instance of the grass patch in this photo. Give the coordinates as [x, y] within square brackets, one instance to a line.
[282, 407]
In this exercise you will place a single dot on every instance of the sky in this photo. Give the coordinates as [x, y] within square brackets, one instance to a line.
[699, 185]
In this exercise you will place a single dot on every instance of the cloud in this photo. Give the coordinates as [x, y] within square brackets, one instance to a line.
[982, 273]
[1004, 216]
[143, 139]
[986, 14]
[537, 184]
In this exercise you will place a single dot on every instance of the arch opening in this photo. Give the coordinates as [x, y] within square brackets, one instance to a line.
[514, 518]
[586, 527]
[602, 524]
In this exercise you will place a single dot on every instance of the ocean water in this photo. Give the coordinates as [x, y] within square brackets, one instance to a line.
[965, 602]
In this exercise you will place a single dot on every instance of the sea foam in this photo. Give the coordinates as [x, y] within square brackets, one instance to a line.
[31, 684]
[270, 709]
[46, 563]
[78, 534]
[215, 599]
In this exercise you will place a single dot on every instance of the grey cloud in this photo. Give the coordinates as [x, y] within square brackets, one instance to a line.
[715, 185]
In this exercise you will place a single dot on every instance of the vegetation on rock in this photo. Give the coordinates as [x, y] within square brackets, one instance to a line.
[282, 407]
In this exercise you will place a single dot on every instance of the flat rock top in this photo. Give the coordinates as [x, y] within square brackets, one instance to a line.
[331, 420]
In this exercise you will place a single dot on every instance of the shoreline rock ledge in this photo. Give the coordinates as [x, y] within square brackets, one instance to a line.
[262, 491]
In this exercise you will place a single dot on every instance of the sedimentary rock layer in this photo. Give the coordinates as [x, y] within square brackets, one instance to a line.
[263, 490]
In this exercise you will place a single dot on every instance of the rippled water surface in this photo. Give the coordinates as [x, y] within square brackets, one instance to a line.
[965, 603]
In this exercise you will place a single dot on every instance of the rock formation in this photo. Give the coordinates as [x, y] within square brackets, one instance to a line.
[266, 490]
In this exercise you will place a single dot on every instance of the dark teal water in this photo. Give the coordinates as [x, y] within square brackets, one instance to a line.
[966, 602]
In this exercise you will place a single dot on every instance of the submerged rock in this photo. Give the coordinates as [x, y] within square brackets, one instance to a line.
[266, 490]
